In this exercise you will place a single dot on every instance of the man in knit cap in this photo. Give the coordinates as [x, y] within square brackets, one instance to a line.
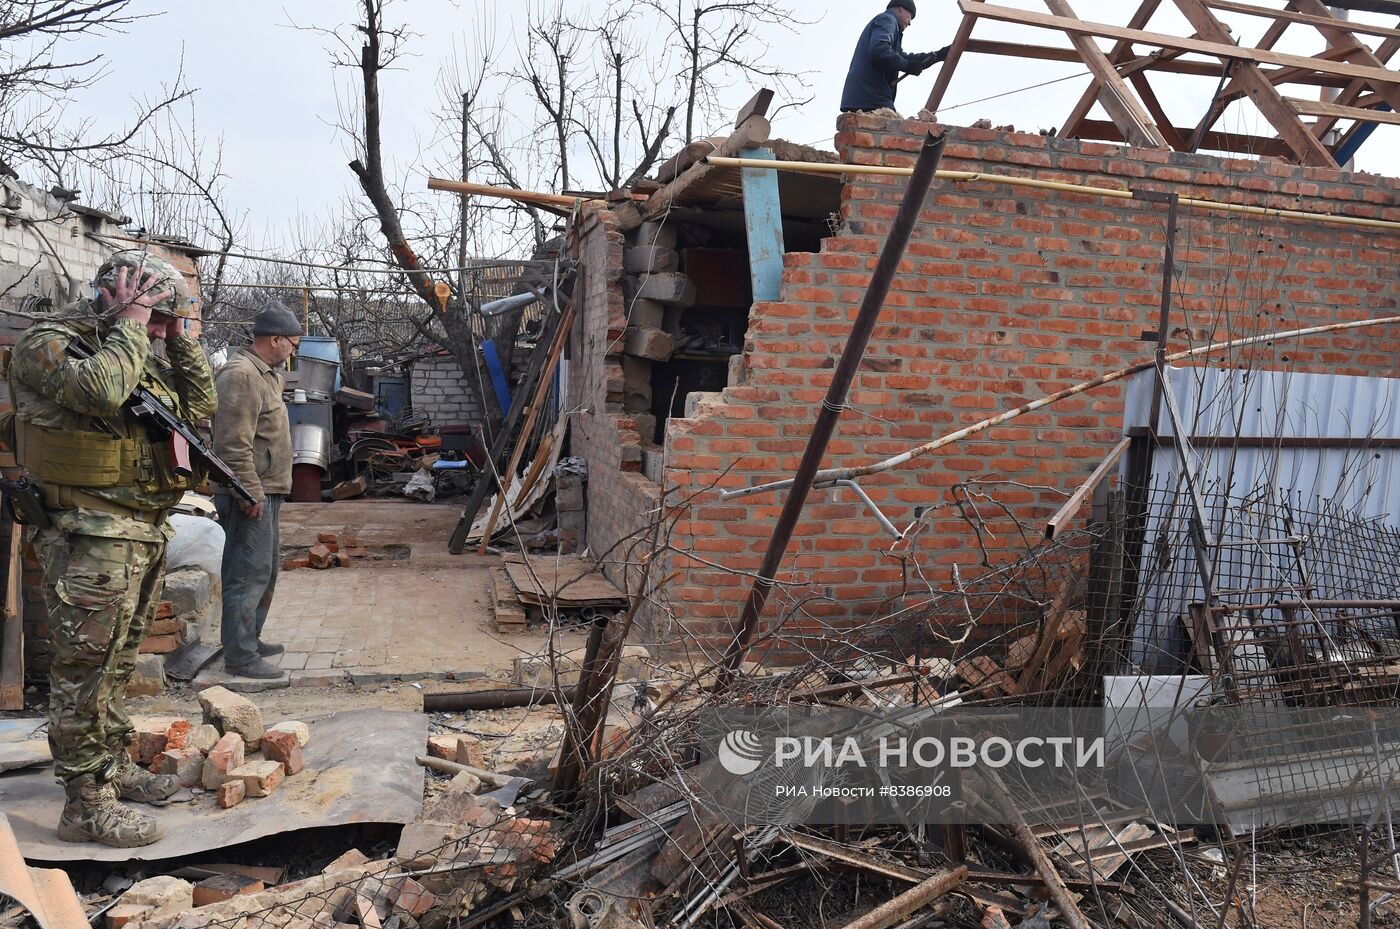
[253, 435]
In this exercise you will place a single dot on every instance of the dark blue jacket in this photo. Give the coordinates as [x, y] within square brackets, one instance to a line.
[876, 64]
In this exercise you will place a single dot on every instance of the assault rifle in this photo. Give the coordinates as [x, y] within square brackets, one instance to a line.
[163, 425]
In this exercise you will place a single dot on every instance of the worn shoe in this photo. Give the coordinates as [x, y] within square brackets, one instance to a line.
[134, 782]
[92, 814]
[258, 670]
[268, 649]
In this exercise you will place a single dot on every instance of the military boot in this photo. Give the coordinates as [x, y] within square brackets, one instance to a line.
[134, 782]
[92, 814]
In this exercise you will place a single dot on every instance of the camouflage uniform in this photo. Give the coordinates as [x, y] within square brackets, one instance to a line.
[108, 488]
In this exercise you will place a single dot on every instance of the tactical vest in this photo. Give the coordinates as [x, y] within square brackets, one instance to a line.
[100, 454]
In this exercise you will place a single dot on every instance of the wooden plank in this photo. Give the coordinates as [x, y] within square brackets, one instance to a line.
[1318, 108]
[955, 53]
[1307, 19]
[1169, 61]
[1121, 48]
[1161, 120]
[1306, 146]
[763, 224]
[1102, 849]
[12, 634]
[1123, 108]
[1219, 49]
[757, 106]
[564, 580]
[546, 382]
[1339, 35]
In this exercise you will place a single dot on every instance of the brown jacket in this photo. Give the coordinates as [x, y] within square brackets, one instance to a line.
[251, 431]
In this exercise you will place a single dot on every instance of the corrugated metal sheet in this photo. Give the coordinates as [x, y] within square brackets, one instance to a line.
[1254, 484]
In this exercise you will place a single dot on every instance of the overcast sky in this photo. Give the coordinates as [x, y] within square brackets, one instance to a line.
[269, 90]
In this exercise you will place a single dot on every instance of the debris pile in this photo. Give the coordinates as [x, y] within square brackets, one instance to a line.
[331, 550]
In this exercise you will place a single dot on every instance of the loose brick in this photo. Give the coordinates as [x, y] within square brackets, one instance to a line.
[230, 794]
[232, 713]
[149, 739]
[259, 777]
[226, 755]
[176, 735]
[283, 746]
[321, 557]
[185, 764]
[299, 729]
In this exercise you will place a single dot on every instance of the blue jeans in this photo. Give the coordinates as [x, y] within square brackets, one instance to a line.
[252, 554]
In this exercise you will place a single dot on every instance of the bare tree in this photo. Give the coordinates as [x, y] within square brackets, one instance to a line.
[719, 42]
[38, 83]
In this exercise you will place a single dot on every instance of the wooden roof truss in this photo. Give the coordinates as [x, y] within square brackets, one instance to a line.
[1367, 88]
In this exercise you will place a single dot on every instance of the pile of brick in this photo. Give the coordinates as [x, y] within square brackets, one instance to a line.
[188, 596]
[217, 755]
[330, 551]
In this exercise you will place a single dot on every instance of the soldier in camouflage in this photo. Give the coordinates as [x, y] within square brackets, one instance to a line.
[108, 487]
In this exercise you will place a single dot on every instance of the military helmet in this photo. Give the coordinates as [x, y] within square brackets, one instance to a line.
[180, 303]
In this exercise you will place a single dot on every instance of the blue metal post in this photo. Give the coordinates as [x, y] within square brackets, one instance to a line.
[763, 221]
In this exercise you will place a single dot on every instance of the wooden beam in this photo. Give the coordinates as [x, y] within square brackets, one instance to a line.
[1351, 94]
[1339, 35]
[763, 227]
[1306, 19]
[757, 106]
[1123, 108]
[1167, 61]
[12, 625]
[1219, 49]
[1215, 141]
[955, 53]
[1306, 146]
[1384, 7]
[1122, 47]
[1337, 111]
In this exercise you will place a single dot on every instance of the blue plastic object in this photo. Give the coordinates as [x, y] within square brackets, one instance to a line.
[498, 375]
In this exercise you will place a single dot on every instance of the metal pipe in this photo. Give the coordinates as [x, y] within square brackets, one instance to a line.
[456, 701]
[912, 900]
[830, 476]
[1076, 499]
[885, 270]
[813, 167]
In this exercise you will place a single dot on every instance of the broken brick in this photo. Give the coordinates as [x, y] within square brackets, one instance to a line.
[176, 735]
[148, 739]
[185, 764]
[123, 913]
[411, 896]
[320, 557]
[203, 738]
[222, 887]
[292, 564]
[165, 610]
[231, 793]
[224, 757]
[232, 713]
[470, 752]
[260, 778]
[328, 539]
[160, 644]
[443, 746]
[284, 747]
[299, 729]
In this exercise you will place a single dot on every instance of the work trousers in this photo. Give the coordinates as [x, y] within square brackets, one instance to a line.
[252, 554]
[101, 595]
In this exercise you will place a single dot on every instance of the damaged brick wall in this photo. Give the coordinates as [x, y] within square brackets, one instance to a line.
[1006, 294]
[441, 391]
[620, 500]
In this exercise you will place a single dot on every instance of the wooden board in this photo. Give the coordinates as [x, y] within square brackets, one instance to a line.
[12, 633]
[509, 613]
[566, 581]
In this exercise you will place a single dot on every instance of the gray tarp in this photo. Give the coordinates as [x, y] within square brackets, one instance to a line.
[360, 768]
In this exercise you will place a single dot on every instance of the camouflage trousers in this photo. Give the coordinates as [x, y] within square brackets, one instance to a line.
[101, 595]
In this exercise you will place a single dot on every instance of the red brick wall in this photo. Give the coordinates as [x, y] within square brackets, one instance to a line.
[1006, 294]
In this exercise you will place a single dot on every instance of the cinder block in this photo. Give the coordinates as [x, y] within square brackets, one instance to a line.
[652, 344]
[668, 287]
[647, 314]
[569, 493]
[649, 260]
[655, 233]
